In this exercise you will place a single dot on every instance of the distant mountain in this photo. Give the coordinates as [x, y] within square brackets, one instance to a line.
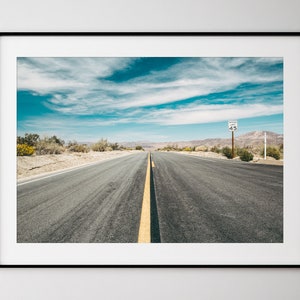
[254, 139]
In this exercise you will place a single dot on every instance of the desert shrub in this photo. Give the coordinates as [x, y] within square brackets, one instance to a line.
[122, 148]
[73, 146]
[29, 139]
[201, 148]
[54, 139]
[139, 148]
[281, 148]
[188, 149]
[272, 152]
[79, 148]
[114, 146]
[45, 147]
[215, 149]
[24, 150]
[170, 148]
[244, 154]
[101, 146]
[226, 151]
[50, 145]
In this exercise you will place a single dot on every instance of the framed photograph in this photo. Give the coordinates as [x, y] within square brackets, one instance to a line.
[147, 149]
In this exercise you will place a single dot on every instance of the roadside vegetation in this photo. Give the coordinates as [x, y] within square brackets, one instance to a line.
[176, 148]
[73, 146]
[33, 144]
[24, 150]
[243, 153]
[139, 148]
[275, 152]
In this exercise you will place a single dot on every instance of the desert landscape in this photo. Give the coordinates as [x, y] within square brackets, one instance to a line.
[35, 165]
[150, 150]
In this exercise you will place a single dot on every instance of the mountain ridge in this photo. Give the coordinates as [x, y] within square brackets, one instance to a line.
[250, 139]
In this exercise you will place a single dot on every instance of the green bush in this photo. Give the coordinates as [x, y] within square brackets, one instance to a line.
[226, 151]
[114, 146]
[272, 152]
[281, 148]
[139, 148]
[188, 149]
[29, 139]
[55, 140]
[24, 150]
[215, 149]
[244, 154]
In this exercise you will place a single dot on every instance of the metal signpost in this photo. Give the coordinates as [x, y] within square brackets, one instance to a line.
[232, 126]
[265, 147]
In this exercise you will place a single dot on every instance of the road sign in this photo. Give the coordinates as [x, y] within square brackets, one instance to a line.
[232, 125]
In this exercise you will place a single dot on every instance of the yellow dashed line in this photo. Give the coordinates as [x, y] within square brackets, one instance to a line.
[153, 165]
[145, 229]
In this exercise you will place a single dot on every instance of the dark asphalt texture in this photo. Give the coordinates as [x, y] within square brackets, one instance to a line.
[193, 200]
[96, 204]
[217, 201]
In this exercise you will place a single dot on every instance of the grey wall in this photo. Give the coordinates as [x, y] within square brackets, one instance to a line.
[152, 15]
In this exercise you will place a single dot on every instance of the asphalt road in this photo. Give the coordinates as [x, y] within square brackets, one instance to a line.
[217, 201]
[96, 204]
[193, 200]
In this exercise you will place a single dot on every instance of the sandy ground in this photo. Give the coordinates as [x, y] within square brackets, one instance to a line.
[256, 160]
[33, 166]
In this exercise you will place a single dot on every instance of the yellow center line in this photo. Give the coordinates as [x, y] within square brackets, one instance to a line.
[145, 229]
[153, 165]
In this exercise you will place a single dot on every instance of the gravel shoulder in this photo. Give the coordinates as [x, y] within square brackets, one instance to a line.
[33, 166]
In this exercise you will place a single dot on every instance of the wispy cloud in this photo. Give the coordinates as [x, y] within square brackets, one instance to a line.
[49, 75]
[210, 113]
[111, 91]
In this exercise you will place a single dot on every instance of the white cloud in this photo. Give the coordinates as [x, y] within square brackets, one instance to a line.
[78, 86]
[210, 113]
[49, 75]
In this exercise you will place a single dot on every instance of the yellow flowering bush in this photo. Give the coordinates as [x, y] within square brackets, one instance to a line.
[24, 150]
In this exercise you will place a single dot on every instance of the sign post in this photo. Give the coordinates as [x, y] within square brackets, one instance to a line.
[232, 126]
[265, 147]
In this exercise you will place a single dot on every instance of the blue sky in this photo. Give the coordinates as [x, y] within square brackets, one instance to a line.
[148, 98]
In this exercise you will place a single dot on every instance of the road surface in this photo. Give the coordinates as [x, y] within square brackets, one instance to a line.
[193, 200]
[217, 201]
[96, 204]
